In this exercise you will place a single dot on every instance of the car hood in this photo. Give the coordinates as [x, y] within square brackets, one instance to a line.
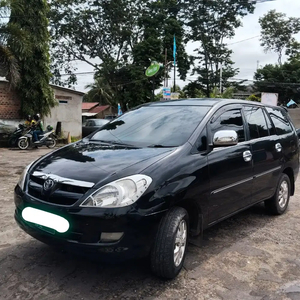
[93, 162]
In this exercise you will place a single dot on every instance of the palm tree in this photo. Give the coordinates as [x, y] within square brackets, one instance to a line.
[100, 91]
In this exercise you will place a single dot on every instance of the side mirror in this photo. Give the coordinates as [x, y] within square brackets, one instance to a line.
[225, 138]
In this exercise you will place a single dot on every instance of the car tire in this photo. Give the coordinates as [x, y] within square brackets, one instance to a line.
[169, 250]
[23, 144]
[278, 204]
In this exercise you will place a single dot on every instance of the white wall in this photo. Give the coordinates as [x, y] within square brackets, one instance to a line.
[69, 114]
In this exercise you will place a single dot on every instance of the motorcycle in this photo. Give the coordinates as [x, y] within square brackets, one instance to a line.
[48, 138]
[13, 139]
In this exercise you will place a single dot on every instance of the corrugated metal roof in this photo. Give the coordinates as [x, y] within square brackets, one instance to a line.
[89, 105]
[98, 109]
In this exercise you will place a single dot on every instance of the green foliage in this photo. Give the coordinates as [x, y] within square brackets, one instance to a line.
[100, 91]
[34, 65]
[209, 23]
[283, 79]
[17, 37]
[125, 35]
[254, 98]
[277, 32]
[228, 94]
[74, 139]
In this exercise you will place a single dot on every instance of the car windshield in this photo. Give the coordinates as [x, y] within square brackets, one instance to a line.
[153, 126]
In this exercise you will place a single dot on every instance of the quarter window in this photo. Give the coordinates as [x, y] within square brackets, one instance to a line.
[281, 122]
[256, 122]
[230, 120]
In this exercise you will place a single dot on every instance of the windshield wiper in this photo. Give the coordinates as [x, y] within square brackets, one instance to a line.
[159, 146]
[122, 144]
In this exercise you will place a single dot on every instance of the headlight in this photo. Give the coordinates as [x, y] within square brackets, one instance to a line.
[22, 178]
[119, 193]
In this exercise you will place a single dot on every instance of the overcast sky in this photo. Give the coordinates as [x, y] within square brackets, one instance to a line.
[246, 54]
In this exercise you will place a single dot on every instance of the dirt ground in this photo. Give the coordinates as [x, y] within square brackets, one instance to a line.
[252, 256]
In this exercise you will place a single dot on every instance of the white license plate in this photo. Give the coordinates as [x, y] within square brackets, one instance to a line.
[46, 219]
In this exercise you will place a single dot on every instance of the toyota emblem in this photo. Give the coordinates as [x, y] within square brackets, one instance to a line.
[48, 184]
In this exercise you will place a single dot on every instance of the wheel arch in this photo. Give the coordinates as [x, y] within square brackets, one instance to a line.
[289, 172]
[195, 216]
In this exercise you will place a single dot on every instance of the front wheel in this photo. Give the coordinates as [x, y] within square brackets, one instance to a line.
[51, 143]
[23, 144]
[168, 253]
[278, 204]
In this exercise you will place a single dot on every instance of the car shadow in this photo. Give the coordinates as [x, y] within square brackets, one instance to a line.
[223, 235]
[32, 269]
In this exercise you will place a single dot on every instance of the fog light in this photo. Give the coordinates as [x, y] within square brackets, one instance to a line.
[111, 236]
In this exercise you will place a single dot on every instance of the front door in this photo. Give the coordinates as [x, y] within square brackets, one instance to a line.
[230, 168]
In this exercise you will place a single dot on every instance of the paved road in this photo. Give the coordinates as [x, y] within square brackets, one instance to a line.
[251, 256]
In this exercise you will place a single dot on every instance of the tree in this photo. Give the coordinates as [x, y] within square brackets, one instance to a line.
[119, 38]
[282, 79]
[9, 67]
[33, 88]
[209, 23]
[101, 92]
[277, 32]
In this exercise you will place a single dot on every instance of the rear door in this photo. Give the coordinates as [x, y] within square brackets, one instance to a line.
[230, 168]
[266, 152]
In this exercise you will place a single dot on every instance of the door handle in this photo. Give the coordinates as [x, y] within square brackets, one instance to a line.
[247, 155]
[278, 147]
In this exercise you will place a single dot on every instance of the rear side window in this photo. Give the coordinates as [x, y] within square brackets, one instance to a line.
[230, 120]
[256, 122]
[281, 122]
[269, 123]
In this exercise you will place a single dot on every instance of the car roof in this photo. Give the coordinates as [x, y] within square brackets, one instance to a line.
[201, 102]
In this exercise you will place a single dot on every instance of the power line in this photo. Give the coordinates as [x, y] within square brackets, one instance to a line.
[251, 38]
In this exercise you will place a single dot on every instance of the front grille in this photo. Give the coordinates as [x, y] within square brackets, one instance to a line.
[63, 194]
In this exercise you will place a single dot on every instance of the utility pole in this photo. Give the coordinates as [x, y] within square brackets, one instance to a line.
[221, 71]
[257, 65]
[165, 73]
[174, 78]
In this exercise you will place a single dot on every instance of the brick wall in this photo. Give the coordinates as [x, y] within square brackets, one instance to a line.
[9, 103]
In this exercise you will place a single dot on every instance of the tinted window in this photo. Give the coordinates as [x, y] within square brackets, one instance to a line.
[230, 120]
[154, 126]
[256, 122]
[269, 123]
[280, 121]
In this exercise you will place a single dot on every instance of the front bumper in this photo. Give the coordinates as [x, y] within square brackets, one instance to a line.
[86, 226]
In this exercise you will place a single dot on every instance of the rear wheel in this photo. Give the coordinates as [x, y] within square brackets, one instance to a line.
[278, 204]
[23, 144]
[169, 249]
[51, 143]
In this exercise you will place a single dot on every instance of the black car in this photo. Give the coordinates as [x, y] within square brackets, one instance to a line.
[159, 174]
[92, 125]
[6, 131]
